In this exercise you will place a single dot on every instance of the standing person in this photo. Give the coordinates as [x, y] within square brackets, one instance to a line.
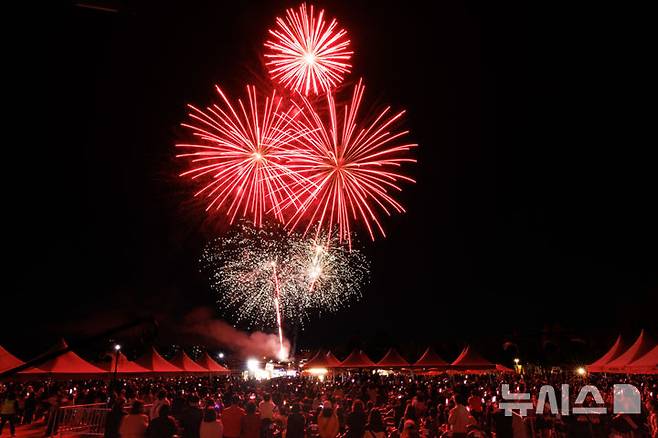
[164, 426]
[266, 409]
[356, 420]
[653, 418]
[211, 427]
[409, 430]
[160, 401]
[8, 412]
[328, 425]
[191, 417]
[30, 405]
[459, 419]
[296, 424]
[114, 419]
[375, 427]
[135, 423]
[232, 418]
[251, 422]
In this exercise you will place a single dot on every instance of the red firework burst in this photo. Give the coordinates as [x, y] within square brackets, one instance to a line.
[348, 167]
[307, 55]
[242, 154]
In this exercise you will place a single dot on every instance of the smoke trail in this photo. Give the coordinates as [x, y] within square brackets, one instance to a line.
[217, 333]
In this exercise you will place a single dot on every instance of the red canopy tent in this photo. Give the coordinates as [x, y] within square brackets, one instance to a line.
[8, 361]
[615, 351]
[640, 347]
[67, 364]
[213, 367]
[503, 369]
[322, 360]
[469, 359]
[122, 365]
[647, 364]
[392, 359]
[357, 359]
[183, 361]
[155, 363]
[430, 359]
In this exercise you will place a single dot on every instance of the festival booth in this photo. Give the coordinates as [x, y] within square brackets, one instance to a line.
[321, 364]
[357, 359]
[615, 351]
[392, 359]
[156, 364]
[121, 365]
[8, 361]
[431, 360]
[67, 365]
[213, 367]
[470, 361]
[622, 364]
[183, 361]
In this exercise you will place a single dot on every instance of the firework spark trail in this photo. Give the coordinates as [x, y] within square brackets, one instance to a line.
[306, 54]
[349, 167]
[277, 306]
[242, 155]
[241, 270]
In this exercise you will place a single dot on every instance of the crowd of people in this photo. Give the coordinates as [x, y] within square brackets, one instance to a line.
[354, 405]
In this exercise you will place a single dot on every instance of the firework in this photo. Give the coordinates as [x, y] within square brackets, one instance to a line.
[306, 54]
[266, 275]
[350, 167]
[240, 155]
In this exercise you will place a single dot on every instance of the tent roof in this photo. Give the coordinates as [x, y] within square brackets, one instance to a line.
[430, 359]
[503, 369]
[470, 359]
[323, 360]
[8, 361]
[615, 351]
[183, 361]
[211, 365]
[124, 366]
[393, 359]
[648, 362]
[152, 361]
[639, 348]
[357, 359]
[67, 363]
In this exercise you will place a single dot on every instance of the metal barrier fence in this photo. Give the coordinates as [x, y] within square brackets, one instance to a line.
[78, 420]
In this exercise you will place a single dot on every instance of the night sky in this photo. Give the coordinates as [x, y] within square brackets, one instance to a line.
[535, 212]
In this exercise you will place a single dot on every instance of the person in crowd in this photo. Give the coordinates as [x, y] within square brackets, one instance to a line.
[251, 427]
[356, 420]
[211, 427]
[296, 424]
[375, 427]
[232, 418]
[267, 409]
[328, 425]
[9, 412]
[459, 418]
[164, 426]
[190, 420]
[160, 401]
[30, 405]
[135, 423]
[409, 414]
[653, 418]
[114, 418]
[410, 430]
